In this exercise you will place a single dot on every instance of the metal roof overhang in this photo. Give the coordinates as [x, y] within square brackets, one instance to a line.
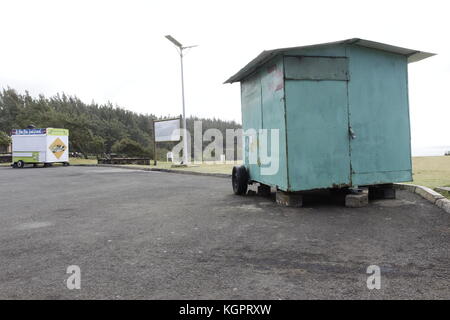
[263, 57]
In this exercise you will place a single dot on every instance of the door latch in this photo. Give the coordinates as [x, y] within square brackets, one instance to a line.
[352, 133]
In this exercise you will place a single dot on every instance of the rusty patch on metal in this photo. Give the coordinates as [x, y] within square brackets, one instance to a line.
[280, 86]
[340, 185]
[277, 81]
[272, 68]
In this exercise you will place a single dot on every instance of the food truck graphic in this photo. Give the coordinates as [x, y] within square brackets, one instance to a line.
[35, 146]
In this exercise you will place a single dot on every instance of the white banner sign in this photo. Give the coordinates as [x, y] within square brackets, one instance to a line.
[167, 130]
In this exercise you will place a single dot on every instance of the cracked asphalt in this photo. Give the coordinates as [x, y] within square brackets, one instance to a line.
[153, 235]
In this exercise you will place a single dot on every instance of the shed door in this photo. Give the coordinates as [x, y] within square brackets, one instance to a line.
[378, 117]
[317, 122]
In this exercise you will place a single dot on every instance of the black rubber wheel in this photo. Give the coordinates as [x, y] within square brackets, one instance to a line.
[239, 179]
[14, 165]
[66, 164]
[20, 164]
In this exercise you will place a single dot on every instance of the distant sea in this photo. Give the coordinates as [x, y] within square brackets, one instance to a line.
[429, 151]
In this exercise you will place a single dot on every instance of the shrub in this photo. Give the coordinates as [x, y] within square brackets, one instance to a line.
[129, 148]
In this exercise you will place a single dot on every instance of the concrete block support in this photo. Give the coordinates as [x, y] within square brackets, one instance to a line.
[289, 199]
[263, 190]
[382, 191]
[357, 200]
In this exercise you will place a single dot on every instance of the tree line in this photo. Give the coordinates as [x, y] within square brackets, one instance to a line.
[95, 129]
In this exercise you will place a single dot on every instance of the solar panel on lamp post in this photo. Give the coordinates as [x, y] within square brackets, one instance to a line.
[180, 51]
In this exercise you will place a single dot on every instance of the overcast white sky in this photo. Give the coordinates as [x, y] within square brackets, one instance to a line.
[116, 51]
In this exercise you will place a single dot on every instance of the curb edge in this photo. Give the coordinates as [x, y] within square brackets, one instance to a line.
[427, 193]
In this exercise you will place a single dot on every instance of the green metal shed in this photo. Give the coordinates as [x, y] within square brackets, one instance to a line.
[341, 109]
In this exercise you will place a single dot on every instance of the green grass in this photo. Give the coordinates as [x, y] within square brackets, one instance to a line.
[431, 172]
[76, 161]
[204, 167]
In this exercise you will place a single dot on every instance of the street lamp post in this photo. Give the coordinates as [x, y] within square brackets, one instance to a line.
[180, 48]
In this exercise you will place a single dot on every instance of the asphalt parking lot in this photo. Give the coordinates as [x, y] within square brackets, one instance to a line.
[153, 235]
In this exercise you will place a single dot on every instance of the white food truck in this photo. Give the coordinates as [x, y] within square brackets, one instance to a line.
[34, 146]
